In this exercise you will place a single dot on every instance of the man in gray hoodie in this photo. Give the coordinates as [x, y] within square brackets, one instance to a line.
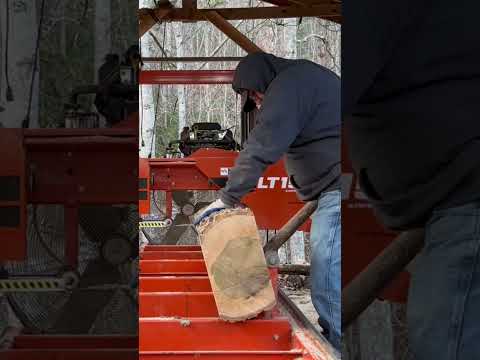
[411, 111]
[299, 118]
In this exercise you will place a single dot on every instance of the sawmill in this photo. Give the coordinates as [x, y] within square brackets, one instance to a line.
[182, 313]
[72, 235]
[185, 308]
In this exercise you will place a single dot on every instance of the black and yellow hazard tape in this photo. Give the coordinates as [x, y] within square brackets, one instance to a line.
[15, 285]
[154, 224]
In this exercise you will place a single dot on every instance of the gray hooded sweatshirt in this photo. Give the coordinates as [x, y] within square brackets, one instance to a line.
[299, 118]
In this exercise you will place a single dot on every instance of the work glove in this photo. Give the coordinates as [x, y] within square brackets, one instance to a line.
[202, 214]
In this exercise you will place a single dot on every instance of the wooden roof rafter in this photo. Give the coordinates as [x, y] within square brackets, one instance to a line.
[330, 9]
[303, 2]
[232, 32]
[327, 9]
[181, 14]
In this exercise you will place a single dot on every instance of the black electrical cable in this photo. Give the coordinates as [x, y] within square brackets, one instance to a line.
[85, 10]
[26, 121]
[9, 94]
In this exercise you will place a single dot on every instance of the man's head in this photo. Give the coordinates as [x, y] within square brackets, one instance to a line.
[253, 75]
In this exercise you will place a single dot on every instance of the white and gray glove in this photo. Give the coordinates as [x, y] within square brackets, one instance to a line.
[202, 214]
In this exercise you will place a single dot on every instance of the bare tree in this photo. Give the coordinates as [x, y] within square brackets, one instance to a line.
[179, 45]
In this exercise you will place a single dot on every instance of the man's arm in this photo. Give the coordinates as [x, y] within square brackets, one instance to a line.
[281, 119]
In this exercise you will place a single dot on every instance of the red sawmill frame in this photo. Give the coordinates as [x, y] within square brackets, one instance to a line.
[187, 77]
[69, 167]
[273, 202]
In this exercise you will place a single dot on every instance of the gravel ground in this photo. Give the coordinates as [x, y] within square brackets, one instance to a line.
[297, 289]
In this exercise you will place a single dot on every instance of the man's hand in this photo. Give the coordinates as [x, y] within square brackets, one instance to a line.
[202, 214]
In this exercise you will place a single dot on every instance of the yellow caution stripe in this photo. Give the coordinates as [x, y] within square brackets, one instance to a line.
[154, 224]
[32, 284]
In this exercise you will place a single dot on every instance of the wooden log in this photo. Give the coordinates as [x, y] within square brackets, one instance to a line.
[236, 265]
[294, 269]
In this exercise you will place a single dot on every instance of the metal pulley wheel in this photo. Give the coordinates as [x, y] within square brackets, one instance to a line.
[117, 250]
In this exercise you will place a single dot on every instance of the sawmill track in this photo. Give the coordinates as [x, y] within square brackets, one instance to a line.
[179, 318]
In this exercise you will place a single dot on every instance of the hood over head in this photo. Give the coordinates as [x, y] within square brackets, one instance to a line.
[255, 72]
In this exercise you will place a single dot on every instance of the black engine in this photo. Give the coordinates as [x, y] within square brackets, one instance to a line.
[203, 135]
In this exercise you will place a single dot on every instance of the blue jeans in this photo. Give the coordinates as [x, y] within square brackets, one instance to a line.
[444, 297]
[325, 240]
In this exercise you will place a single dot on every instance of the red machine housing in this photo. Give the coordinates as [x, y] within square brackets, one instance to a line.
[13, 189]
[273, 202]
[70, 167]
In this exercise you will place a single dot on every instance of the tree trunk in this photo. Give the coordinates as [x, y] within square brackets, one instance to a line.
[103, 41]
[291, 38]
[297, 248]
[147, 102]
[63, 29]
[208, 88]
[178, 26]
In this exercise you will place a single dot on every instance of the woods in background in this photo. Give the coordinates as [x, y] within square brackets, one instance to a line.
[172, 107]
[76, 37]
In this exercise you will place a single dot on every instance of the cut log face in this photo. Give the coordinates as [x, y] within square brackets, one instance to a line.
[236, 265]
